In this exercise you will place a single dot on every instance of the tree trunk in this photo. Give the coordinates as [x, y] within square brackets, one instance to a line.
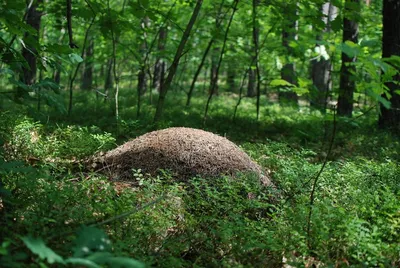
[231, 75]
[142, 75]
[109, 79]
[215, 53]
[214, 70]
[160, 66]
[29, 52]
[347, 83]
[142, 81]
[390, 118]
[289, 33]
[87, 76]
[251, 86]
[57, 76]
[256, 31]
[321, 67]
[165, 86]
[57, 71]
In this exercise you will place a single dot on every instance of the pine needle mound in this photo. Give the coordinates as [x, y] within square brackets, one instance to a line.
[186, 152]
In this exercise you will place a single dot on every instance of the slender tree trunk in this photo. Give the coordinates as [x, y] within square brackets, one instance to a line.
[109, 79]
[231, 75]
[203, 59]
[347, 83]
[114, 39]
[215, 52]
[251, 85]
[57, 71]
[321, 67]
[142, 81]
[289, 33]
[142, 76]
[57, 76]
[205, 78]
[160, 62]
[174, 65]
[73, 76]
[390, 117]
[28, 76]
[87, 76]
[240, 93]
[288, 73]
[215, 81]
[256, 30]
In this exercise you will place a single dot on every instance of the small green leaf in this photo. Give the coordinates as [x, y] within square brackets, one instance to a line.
[5, 244]
[20, 84]
[125, 262]
[75, 58]
[350, 49]
[5, 71]
[370, 43]
[38, 247]
[91, 240]
[48, 83]
[60, 49]
[336, 24]
[108, 258]
[280, 83]
[144, 3]
[394, 60]
[379, 98]
[81, 261]
[300, 90]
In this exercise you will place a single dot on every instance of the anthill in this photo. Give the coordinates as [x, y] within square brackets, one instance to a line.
[186, 152]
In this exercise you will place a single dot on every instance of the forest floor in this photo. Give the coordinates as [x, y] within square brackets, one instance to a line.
[352, 219]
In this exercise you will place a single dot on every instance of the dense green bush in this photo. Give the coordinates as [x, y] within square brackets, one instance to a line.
[26, 139]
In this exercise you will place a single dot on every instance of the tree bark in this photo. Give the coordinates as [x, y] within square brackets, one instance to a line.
[215, 52]
[231, 75]
[109, 79]
[321, 67]
[347, 83]
[256, 31]
[288, 71]
[73, 76]
[390, 118]
[174, 65]
[142, 75]
[87, 76]
[29, 52]
[160, 66]
[251, 85]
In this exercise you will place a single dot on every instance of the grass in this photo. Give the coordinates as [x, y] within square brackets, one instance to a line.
[213, 223]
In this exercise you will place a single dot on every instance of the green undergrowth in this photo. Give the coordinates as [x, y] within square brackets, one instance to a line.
[355, 219]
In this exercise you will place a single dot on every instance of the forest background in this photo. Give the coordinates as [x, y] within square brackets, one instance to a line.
[309, 89]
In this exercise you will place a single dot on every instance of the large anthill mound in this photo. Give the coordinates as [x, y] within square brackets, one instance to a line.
[186, 152]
